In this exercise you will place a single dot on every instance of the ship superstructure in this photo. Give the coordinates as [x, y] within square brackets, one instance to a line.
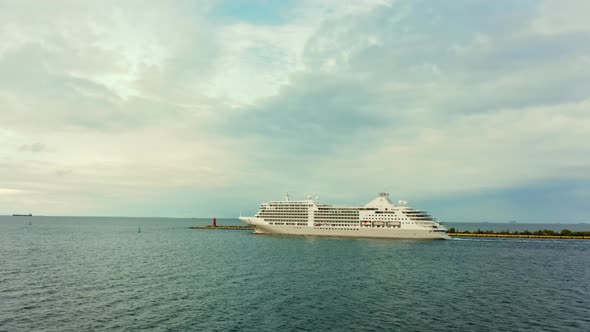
[380, 218]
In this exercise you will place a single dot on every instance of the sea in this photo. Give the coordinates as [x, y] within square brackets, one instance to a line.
[156, 274]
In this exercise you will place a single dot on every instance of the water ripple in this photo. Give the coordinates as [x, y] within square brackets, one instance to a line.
[99, 274]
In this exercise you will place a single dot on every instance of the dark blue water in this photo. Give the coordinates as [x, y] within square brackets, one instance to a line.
[96, 274]
[484, 226]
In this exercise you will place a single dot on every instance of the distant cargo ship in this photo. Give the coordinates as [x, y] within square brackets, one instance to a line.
[379, 219]
[23, 215]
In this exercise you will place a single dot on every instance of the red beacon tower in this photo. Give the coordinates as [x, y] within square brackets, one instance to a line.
[214, 222]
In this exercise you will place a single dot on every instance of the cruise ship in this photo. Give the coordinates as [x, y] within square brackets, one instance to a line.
[380, 218]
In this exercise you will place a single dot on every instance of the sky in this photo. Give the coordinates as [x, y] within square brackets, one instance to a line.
[474, 110]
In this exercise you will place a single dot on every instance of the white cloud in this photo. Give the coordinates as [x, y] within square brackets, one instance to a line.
[502, 110]
[561, 17]
[137, 98]
[9, 191]
[34, 147]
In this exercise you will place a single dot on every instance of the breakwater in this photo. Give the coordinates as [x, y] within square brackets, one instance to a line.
[453, 234]
[229, 227]
[525, 236]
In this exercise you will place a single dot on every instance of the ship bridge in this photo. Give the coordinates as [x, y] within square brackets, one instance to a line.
[381, 203]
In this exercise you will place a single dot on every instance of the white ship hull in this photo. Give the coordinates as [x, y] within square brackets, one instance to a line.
[380, 218]
[360, 232]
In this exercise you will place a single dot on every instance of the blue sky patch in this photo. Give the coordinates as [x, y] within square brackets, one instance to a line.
[257, 11]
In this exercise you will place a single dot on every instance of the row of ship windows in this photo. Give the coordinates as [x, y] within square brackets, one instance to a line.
[336, 225]
[305, 209]
[315, 217]
[287, 207]
[323, 224]
[278, 221]
[282, 216]
[279, 215]
[305, 212]
[329, 219]
[289, 204]
[284, 211]
[289, 223]
[340, 229]
[287, 220]
[337, 217]
[337, 220]
[372, 215]
[335, 211]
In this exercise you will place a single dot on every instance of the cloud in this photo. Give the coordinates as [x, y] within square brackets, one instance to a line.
[422, 100]
[561, 17]
[35, 147]
[9, 191]
[158, 102]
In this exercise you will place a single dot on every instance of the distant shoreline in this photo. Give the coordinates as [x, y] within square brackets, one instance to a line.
[539, 234]
[531, 236]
